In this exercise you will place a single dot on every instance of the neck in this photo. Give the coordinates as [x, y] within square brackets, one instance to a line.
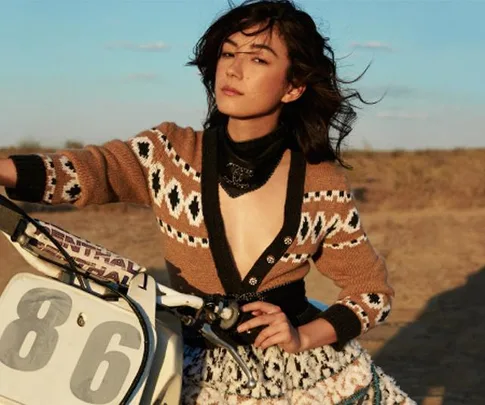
[246, 130]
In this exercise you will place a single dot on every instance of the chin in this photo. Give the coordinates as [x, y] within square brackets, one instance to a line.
[233, 111]
[239, 111]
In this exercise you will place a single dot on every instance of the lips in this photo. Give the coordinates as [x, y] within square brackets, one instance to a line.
[231, 91]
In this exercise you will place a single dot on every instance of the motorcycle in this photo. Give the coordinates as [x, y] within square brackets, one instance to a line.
[95, 328]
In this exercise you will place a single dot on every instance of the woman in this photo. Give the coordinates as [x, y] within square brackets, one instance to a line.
[244, 205]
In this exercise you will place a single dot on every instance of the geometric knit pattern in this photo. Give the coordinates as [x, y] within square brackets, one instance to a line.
[181, 237]
[50, 179]
[176, 159]
[295, 257]
[71, 190]
[312, 228]
[169, 192]
[172, 194]
[318, 376]
[340, 196]
[376, 302]
[144, 149]
[319, 225]
[342, 245]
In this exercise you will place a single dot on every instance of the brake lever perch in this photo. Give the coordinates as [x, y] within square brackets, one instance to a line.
[209, 334]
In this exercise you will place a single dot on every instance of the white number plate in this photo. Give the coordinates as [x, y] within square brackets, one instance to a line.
[59, 345]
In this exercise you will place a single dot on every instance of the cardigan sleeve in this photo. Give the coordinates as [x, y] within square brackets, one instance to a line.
[118, 171]
[349, 259]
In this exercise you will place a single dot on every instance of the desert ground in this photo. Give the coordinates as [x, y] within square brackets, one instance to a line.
[424, 211]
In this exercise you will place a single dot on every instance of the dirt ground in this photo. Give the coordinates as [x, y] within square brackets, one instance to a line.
[425, 213]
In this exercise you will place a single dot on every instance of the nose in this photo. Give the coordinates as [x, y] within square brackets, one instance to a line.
[234, 68]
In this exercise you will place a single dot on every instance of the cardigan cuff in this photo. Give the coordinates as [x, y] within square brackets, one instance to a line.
[31, 178]
[345, 322]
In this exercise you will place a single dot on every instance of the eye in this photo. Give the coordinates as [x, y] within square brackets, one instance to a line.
[227, 54]
[260, 61]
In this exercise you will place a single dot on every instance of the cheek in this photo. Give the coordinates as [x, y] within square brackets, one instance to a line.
[268, 86]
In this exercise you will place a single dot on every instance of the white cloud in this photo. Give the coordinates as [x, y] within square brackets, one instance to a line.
[406, 115]
[372, 45]
[146, 47]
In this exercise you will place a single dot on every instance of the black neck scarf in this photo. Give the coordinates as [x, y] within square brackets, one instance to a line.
[246, 166]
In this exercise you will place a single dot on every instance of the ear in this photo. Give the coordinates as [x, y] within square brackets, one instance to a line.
[294, 93]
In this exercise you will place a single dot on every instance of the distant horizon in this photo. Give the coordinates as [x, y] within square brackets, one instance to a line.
[92, 72]
[33, 145]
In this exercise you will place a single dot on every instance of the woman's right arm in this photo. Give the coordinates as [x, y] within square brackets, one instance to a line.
[91, 175]
[130, 171]
[8, 173]
[116, 171]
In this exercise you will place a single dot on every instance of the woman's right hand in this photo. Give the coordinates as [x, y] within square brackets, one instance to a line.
[8, 173]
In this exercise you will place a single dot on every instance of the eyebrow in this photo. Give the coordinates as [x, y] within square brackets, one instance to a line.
[254, 46]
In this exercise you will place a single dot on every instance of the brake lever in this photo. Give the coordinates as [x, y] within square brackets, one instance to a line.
[209, 334]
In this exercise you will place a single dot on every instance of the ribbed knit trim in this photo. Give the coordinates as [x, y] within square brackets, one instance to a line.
[345, 322]
[215, 228]
[31, 178]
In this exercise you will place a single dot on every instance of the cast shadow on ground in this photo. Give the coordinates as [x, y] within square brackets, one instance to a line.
[443, 351]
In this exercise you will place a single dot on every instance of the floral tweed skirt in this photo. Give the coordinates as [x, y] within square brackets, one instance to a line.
[320, 376]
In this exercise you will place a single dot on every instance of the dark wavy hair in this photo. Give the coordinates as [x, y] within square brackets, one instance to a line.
[324, 106]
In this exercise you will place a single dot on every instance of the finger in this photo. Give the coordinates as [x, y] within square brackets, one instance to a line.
[270, 331]
[255, 322]
[279, 338]
[261, 320]
[265, 307]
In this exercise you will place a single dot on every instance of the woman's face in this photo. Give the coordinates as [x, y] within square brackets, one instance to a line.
[251, 75]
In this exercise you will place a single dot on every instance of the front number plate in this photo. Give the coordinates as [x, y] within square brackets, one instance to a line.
[60, 345]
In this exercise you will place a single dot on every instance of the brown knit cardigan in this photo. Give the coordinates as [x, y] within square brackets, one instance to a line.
[174, 170]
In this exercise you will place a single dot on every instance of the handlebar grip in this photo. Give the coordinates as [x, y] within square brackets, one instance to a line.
[236, 338]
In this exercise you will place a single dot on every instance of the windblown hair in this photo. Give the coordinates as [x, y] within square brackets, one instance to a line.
[323, 108]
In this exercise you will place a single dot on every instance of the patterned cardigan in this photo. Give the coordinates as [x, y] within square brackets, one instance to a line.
[174, 170]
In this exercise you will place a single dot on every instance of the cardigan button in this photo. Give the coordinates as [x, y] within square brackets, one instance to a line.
[288, 240]
[253, 281]
[270, 259]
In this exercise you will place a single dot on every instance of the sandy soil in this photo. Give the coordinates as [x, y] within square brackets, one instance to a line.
[425, 212]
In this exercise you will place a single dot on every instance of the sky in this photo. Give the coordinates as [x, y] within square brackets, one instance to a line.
[96, 70]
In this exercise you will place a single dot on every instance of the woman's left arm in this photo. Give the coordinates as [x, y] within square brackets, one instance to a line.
[349, 259]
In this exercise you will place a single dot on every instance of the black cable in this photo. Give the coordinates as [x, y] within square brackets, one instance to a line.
[105, 297]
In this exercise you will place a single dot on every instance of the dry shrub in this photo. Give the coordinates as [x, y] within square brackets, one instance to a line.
[71, 144]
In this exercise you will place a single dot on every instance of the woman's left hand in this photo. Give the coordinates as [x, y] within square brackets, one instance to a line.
[279, 330]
